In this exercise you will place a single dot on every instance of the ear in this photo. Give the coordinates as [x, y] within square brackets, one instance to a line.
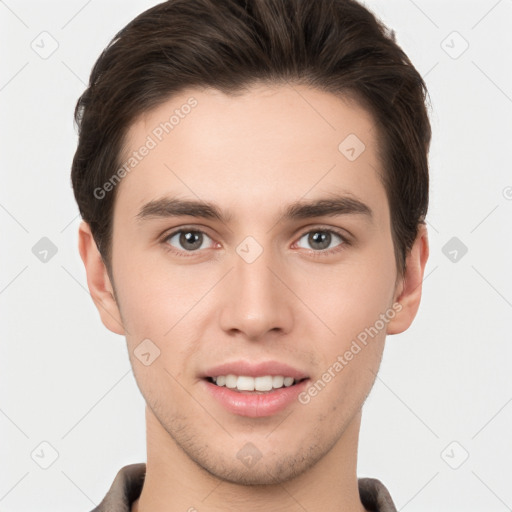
[408, 291]
[98, 281]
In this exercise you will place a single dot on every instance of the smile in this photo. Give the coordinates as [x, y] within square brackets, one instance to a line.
[261, 384]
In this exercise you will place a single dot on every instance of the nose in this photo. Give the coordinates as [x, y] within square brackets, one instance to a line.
[256, 299]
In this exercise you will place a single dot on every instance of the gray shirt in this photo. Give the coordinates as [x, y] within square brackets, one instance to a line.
[129, 480]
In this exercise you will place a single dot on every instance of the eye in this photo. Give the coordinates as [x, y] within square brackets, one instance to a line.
[321, 239]
[188, 240]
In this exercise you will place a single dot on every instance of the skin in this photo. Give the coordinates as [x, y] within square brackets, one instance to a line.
[252, 154]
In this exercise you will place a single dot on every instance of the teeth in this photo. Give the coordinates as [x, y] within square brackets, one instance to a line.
[288, 381]
[231, 381]
[277, 381]
[263, 383]
[245, 383]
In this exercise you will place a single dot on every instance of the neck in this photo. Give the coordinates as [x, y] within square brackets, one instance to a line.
[175, 483]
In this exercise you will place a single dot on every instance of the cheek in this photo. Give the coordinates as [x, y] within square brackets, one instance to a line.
[355, 302]
[154, 296]
[353, 305]
[350, 298]
[165, 304]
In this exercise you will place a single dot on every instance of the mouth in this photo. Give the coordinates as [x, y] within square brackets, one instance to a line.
[254, 385]
[254, 389]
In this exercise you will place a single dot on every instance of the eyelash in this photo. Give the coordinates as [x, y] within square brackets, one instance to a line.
[315, 254]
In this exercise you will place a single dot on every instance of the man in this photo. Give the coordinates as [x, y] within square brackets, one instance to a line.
[253, 182]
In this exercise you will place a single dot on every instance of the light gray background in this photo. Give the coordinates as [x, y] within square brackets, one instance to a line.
[444, 391]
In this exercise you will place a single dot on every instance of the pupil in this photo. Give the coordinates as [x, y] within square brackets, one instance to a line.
[188, 238]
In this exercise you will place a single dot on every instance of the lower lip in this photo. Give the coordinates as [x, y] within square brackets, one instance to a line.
[255, 405]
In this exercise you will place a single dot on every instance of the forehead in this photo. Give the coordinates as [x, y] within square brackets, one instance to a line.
[253, 150]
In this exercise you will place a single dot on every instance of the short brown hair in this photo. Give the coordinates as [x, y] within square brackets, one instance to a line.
[337, 46]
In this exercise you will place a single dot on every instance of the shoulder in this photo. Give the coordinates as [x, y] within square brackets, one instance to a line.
[374, 495]
[125, 489]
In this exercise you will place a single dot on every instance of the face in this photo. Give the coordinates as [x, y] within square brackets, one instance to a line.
[279, 270]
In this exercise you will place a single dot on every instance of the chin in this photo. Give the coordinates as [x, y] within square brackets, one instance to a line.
[272, 469]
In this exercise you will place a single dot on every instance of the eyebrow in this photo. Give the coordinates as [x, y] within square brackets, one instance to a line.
[333, 206]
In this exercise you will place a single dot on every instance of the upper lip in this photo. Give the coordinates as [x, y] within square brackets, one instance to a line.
[252, 369]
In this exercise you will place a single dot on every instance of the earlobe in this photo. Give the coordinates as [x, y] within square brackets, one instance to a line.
[408, 293]
[98, 281]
